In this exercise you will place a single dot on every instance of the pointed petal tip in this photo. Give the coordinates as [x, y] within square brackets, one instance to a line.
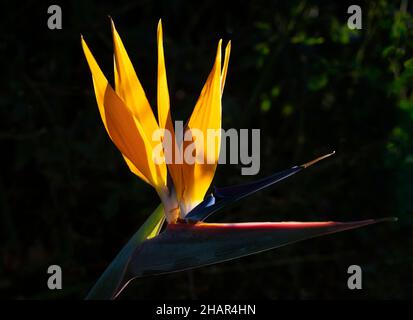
[159, 29]
[112, 24]
[85, 48]
[377, 220]
[310, 163]
[83, 42]
[113, 29]
[219, 50]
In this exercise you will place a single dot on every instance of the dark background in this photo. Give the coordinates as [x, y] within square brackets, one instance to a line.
[296, 72]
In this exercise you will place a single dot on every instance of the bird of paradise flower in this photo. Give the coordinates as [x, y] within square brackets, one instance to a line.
[187, 241]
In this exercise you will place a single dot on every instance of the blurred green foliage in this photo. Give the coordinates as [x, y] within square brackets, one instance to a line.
[297, 72]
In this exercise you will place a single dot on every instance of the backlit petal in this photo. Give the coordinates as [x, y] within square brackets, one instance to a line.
[129, 89]
[123, 128]
[206, 116]
[164, 116]
[225, 67]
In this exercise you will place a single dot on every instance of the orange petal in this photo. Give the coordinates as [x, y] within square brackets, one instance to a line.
[123, 128]
[225, 67]
[164, 115]
[206, 116]
[130, 90]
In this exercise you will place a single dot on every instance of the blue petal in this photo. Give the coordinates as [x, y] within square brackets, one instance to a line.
[222, 197]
